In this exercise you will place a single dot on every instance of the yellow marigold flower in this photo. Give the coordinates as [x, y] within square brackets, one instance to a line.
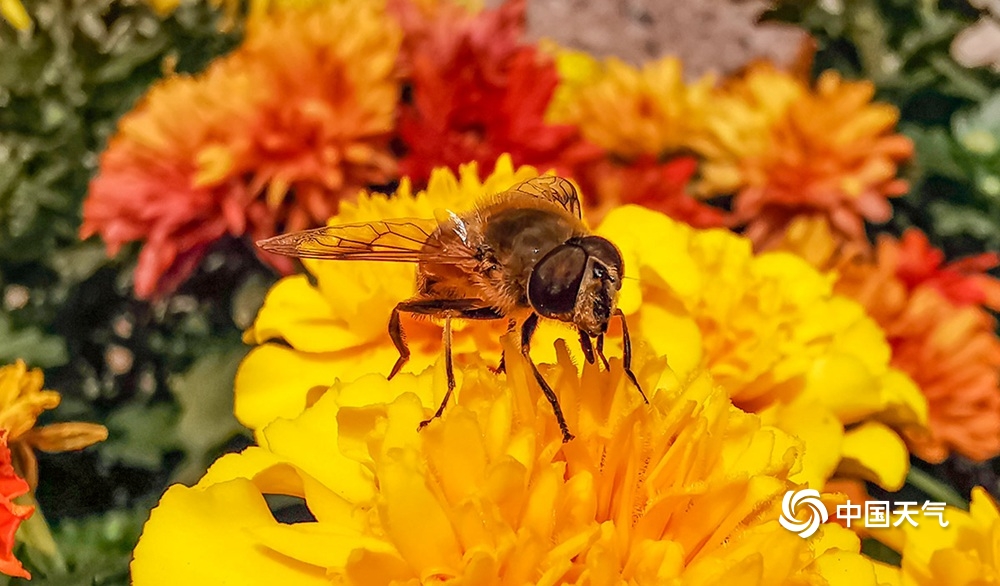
[628, 111]
[773, 333]
[768, 328]
[22, 400]
[14, 13]
[685, 491]
[786, 150]
[964, 553]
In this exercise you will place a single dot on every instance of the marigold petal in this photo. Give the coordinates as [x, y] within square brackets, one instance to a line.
[65, 437]
[289, 314]
[300, 377]
[14, 12]
[311, 439]
[202, 535]
[323, 544]
[821, 433]
[875, 452]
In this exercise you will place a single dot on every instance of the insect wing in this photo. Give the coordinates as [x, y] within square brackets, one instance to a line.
[407, 240]
[551, 188]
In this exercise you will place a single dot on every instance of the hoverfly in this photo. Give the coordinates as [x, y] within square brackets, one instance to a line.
[519, 255]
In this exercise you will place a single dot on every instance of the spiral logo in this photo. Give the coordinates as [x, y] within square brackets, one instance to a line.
[790, 505]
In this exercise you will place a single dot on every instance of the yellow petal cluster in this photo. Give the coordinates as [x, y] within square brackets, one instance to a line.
[629, 111]
[683, 491]
[966, 552]
[22, 400]
[773, 333]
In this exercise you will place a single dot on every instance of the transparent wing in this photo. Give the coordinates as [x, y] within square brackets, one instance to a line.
[406, 240]
[555, 189]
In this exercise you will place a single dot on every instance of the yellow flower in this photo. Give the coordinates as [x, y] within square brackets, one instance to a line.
[14, 13]
[630, 112]
[964, 553]
[787, 149]
[22, 400]
[772, 332]
[684, 491]
[768, 328]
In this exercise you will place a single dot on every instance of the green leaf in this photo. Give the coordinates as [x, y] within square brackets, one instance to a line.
[935, 152]
[952, 220]
[97, 549]
[139, 435]
[30, 344]
[880, 552]
[205, 394]
[77, 263]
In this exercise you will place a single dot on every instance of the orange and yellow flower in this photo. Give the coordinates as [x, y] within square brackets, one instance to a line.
[768, 328]
[22, 400]
[686, 490]
[934, 318]
[786, 150]
[268, 138]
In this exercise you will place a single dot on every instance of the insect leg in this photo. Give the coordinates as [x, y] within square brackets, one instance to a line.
[446, 308]
[449, 371]
[502, 367]
[397, 337]
[600, 352]
[586, 346]
[527, 330]
[627, 355]
[460, 308]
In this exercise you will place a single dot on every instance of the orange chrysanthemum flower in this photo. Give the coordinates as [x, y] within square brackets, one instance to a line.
[269, 138]
[11, 514]
[477, 94]
[934, 319]
[830, 151]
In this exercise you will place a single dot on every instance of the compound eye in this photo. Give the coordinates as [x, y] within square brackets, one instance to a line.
[599, 272]
[555, 281]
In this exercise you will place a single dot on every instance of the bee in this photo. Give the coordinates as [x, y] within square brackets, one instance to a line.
[520, 255]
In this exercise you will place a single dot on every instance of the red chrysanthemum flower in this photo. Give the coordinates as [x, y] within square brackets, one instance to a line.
[11, 514]
[269, 138]
[477, 94]
[661, 186]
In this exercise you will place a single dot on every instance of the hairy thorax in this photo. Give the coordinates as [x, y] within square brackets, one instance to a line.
[506, 242]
